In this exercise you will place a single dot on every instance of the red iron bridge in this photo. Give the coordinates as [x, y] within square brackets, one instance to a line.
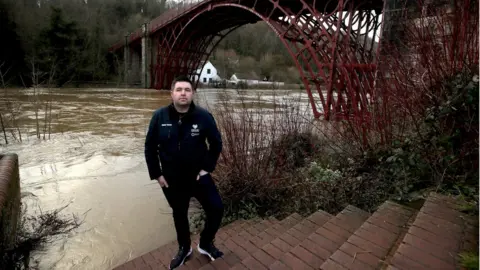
[333, 43]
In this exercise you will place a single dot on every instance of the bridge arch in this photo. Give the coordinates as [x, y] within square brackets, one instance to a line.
[320, 43]
[182, 39]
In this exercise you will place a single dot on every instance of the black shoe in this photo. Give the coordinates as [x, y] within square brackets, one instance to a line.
[181, 257]
[210, 250]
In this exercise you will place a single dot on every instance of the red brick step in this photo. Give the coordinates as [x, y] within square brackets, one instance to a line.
[238, 248]
[160, 258]
[319, 245]
[224, 242]
[372, 241]
[270, 251]
[395, 237]
[436, 237]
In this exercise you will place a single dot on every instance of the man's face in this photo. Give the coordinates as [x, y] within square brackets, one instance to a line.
[182, 93]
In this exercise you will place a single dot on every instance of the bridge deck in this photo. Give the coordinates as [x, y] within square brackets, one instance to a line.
[189, 8]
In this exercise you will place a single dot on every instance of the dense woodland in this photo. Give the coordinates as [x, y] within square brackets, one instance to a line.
[68, 40]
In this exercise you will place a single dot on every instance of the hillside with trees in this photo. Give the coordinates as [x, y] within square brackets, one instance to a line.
[69, 39]
[256, 51]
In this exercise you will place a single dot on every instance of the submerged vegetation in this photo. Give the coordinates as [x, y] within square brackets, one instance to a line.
[35, 231]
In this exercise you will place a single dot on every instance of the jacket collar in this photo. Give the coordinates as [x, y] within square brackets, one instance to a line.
[174, 113]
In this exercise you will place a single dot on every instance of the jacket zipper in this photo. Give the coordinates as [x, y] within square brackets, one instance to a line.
[179, 127]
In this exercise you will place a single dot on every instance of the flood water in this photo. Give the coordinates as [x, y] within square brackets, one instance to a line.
[94, 163]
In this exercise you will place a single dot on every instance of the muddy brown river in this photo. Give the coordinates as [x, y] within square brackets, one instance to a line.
[94, 163]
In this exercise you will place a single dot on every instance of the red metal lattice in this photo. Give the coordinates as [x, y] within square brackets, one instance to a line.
[328, 41]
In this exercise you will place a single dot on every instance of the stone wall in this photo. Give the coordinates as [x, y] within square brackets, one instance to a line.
[9, 200]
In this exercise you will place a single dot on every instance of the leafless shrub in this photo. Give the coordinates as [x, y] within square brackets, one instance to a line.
[264, 144]
[41, 99]
[34, 233]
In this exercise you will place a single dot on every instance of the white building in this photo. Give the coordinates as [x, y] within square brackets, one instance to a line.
[208, 75]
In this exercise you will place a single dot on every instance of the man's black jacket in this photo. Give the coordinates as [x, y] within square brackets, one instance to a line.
[180, 143]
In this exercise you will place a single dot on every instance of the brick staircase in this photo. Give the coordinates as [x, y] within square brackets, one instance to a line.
[393, 237]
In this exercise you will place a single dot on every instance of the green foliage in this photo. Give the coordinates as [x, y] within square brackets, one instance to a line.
[11, 50]
[60, 48]
[319, 173]
[86, 29]
[442, 152]
[451, 124]
[244, 52]
[246, 210]
[469, 207]
[454, 114]
[256, 40]
[469, 260]
[403, 166]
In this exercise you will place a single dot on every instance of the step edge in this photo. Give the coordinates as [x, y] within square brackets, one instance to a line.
[344, 211]
[404, 230]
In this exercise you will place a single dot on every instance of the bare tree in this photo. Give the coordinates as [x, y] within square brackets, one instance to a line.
[11, 110]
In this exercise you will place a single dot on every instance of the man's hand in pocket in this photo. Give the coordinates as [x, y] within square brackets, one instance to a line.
[163, 183]
[201, 173]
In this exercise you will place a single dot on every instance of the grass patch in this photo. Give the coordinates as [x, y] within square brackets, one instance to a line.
[469, 260]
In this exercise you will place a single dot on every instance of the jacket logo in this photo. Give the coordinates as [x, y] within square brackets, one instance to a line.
[195, 131]
[166, 125]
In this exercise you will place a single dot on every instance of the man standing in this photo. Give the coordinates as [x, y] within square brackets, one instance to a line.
[176, 139]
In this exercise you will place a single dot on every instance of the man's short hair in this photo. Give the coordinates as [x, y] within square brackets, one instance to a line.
[181, 78]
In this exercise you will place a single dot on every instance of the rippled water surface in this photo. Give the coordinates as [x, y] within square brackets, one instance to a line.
[94, 162]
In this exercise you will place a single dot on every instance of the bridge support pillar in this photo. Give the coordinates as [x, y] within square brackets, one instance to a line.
[146, 57]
